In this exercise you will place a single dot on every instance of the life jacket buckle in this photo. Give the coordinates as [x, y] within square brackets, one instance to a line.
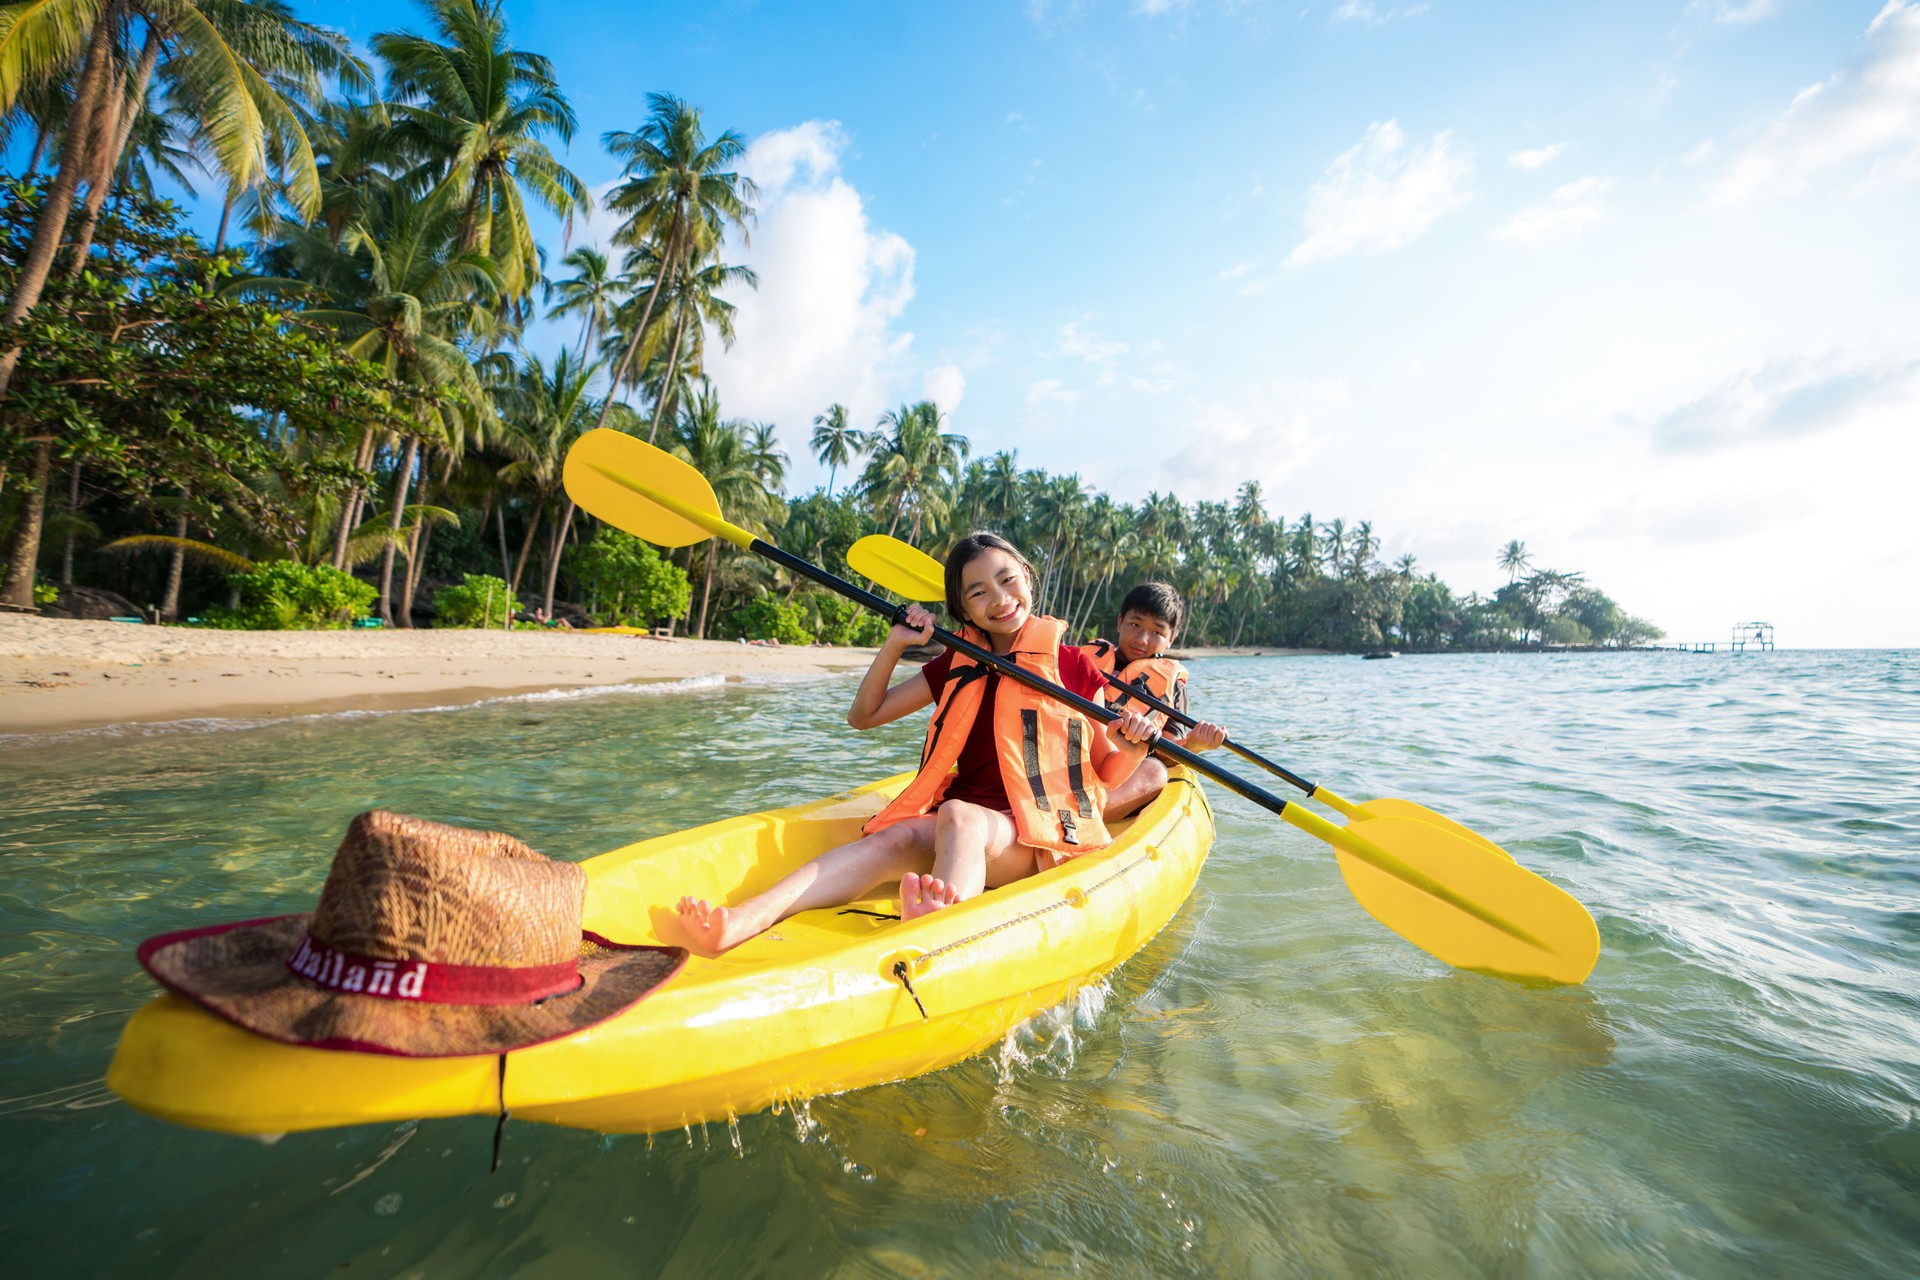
[1069, 831]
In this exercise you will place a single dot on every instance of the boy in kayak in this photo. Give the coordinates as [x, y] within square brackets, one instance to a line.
[1149, 623]
[1012, 781]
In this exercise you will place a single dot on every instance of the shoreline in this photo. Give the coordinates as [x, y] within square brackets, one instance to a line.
[61, 676]
[1182, 654]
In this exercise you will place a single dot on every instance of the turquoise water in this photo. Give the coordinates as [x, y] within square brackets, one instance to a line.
[1275, 1086]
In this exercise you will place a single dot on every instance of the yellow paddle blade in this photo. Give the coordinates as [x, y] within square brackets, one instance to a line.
[900, 567]
[1390, 807]
[1540, 932]
[647, 491]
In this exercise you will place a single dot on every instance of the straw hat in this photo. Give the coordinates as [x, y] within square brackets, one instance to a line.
[429, 941]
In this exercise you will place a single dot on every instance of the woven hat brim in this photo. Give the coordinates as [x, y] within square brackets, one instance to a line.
[239, 971]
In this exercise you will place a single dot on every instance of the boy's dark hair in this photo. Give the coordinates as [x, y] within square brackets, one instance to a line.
[964, 553]
[1156, 600]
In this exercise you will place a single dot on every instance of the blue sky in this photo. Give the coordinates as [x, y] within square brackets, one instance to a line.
[1633, 282]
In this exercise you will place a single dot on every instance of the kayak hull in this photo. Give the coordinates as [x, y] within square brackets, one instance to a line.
[814, 1006]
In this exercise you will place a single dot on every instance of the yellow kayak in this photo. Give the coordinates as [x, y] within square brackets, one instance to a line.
[823, 1002]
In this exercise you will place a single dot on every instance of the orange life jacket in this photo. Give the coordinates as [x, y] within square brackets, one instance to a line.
[1160, 678]
[1044, 747]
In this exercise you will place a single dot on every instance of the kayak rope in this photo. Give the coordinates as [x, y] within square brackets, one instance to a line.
[900, 972]
[901, 969]
[500, 1125]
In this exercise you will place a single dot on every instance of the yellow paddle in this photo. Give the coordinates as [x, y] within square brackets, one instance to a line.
[906, 570]
[1449, 896]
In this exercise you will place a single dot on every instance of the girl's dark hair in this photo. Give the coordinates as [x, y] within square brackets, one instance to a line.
[964, 553]
[1156, 600]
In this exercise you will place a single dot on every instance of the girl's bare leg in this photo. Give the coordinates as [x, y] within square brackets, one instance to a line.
[836, 876]
[974, 848]
[1142, 785]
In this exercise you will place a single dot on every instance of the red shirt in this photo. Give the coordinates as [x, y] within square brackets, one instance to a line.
[978, 768]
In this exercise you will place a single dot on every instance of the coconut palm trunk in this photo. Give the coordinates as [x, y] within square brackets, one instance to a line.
[112, 125]
[416, 548]
[401, 483]
[640, 329]
[526, 545]
[553, 561]
[500, 526]
[73, 506]
[176, 567]
[706, 594]
[663, 412]
[350, 509]
[26, 540]
[47, 231]
[226, 215]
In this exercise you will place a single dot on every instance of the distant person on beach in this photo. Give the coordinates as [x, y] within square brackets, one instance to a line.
[1012, 782]
[1149, 623]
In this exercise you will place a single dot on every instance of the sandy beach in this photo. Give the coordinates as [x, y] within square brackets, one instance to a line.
[58, 675]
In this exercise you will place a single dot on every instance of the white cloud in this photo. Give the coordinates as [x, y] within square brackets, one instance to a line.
[1363, 11]
[822, 327]
[1734, 13]
[1117, 364]
[1049, 393]
[1077, 341]
[1381, 196]
[944, 384]
[1268, 434]
[1789, 398]
[1871, 108]
[1538, 156]
[1571, 208]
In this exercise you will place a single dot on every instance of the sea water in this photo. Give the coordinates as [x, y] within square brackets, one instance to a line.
[1276, 1085]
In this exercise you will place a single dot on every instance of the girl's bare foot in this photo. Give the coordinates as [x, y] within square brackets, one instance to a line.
[706, 924]
[923, 895]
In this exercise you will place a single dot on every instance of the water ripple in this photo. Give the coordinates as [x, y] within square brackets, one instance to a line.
[1275, 1086]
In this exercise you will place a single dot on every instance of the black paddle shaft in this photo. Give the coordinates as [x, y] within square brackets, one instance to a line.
[1093, 710]
[1181, 717]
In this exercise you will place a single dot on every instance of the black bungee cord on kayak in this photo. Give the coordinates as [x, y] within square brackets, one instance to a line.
[500, 1125]
[900, 972]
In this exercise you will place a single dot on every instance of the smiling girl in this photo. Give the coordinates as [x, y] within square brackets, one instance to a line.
[1011, 781]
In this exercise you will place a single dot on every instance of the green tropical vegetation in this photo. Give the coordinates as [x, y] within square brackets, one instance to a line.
[328, 412]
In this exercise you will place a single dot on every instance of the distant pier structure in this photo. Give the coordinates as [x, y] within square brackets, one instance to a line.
[1752, 635]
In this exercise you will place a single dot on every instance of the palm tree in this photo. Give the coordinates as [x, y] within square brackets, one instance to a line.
[1248, 513]
[734, 462]
[406, 295]
[591, 292]
[476, 110]
[679, 198]
[1334, 541]
[1513, 558]
[221, 58]
[204, 50]
[547, 410]
[691, 306]
[1363, 546]
[835, 441]
[913, 466]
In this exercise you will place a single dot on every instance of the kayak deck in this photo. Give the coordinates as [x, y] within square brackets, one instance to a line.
[813, 1006]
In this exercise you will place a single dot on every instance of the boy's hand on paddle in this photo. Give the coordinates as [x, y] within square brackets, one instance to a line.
[1135, 728]
[1204, 736]
[918, 629]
